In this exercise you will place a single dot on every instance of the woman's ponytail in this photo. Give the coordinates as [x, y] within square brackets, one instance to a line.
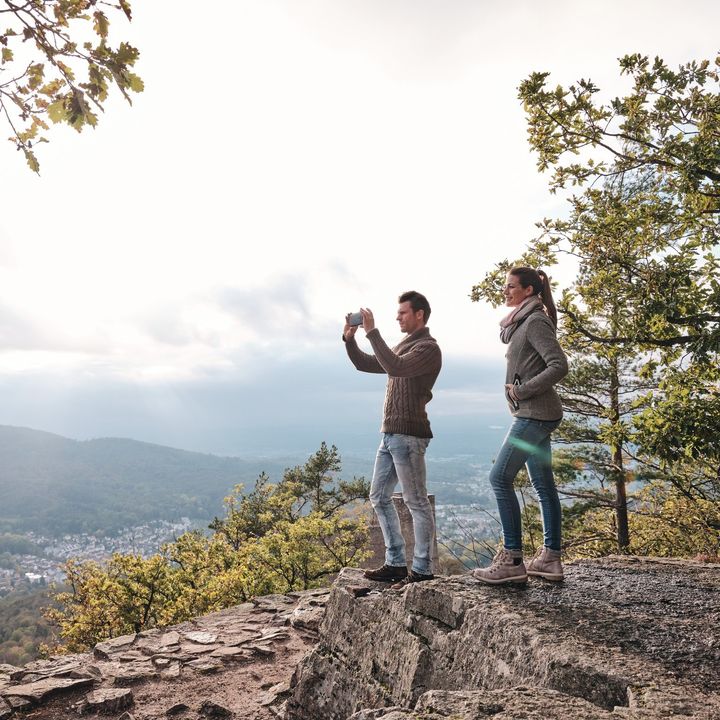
[547, 298]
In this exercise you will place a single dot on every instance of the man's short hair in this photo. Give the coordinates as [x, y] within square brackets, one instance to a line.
[417, 302]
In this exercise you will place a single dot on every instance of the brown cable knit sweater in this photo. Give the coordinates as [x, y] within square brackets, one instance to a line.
[412, 367]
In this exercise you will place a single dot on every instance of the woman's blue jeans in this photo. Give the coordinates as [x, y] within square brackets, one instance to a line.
[527, 443]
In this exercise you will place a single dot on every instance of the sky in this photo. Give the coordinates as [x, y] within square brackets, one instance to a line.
[180, 274]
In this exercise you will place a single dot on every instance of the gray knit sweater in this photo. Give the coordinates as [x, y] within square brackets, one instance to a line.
[412, 367]
[535, 362]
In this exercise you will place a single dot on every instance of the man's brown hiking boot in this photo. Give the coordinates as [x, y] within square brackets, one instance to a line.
[387, 573]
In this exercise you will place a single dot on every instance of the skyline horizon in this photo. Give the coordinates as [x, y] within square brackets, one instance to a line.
[182, 271]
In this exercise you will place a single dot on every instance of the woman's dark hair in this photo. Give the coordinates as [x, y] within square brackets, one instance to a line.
[540, 283]
[417, 302]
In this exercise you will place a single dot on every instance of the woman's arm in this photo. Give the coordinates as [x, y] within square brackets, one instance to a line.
[541, 335]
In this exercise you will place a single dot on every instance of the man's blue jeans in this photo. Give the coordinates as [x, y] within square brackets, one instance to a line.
[402, 458]
[527, 443]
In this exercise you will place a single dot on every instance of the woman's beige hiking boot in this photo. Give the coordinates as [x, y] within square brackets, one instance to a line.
[546, 564]
[507, 567]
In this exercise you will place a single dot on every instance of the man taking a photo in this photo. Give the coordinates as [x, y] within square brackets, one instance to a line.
[412, 367]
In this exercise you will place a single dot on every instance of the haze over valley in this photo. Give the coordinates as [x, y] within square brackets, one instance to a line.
[64, 498]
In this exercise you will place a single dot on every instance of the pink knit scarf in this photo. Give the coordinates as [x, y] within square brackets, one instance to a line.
[510, 323]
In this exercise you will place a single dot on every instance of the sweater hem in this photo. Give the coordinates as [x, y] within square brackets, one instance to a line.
[407, 429]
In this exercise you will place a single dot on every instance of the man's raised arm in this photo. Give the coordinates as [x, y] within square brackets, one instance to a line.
[361, 360]
[424, 358]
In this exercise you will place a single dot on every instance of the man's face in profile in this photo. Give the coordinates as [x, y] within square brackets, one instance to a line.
[409, 320]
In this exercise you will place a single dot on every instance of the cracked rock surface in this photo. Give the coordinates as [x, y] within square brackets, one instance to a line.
[620, 638]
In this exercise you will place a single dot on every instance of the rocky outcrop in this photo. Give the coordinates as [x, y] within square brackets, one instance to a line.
[232, 664]
[620, 638]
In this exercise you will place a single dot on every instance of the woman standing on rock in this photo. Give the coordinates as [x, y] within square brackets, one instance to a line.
[535, 362]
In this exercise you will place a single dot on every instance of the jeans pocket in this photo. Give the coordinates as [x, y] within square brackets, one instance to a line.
[416, 445]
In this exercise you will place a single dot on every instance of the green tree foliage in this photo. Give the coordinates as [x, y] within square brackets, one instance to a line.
[666, 131]
[276, 538]
[307, 489]
[641, 320]
[57, 64]
[22, 627]
[668, 124]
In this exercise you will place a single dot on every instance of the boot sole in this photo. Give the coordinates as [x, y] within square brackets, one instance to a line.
[516, 580]
[553, 577]
[385, 580]
[393, 579]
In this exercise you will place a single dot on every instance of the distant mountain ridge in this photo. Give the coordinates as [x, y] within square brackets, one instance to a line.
[54, 485]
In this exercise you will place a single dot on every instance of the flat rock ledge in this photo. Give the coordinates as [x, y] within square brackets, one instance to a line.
[622, 637]
[232, 664]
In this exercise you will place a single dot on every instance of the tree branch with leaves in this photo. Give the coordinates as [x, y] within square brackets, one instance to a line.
[668, 123]
[58, 65]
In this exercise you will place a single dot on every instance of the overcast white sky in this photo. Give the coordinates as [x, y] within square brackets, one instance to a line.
[289, 161]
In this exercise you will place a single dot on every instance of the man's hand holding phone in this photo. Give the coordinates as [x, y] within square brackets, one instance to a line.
[354, 320]
[368, 320]
[351, 325]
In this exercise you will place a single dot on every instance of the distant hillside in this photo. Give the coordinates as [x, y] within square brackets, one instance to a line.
[54, 485]
[22, 626]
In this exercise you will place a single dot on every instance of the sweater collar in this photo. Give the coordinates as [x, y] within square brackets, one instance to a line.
[417, 335]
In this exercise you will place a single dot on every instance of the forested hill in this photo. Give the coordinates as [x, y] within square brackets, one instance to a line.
[54, 485]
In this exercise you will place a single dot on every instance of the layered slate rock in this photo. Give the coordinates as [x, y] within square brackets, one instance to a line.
[37, 692]
[621, 637]
[108, 700]
[212, 666]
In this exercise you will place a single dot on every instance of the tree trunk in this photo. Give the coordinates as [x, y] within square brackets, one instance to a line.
[621, 511]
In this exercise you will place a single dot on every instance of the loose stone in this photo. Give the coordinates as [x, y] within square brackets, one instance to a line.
[211, 709]
[202, 638]
[177, 709]
[110, 700]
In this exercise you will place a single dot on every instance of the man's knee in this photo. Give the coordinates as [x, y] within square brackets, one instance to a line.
[418, 504]
[378, 498]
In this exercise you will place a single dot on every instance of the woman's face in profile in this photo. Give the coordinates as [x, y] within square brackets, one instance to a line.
[514, 292]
